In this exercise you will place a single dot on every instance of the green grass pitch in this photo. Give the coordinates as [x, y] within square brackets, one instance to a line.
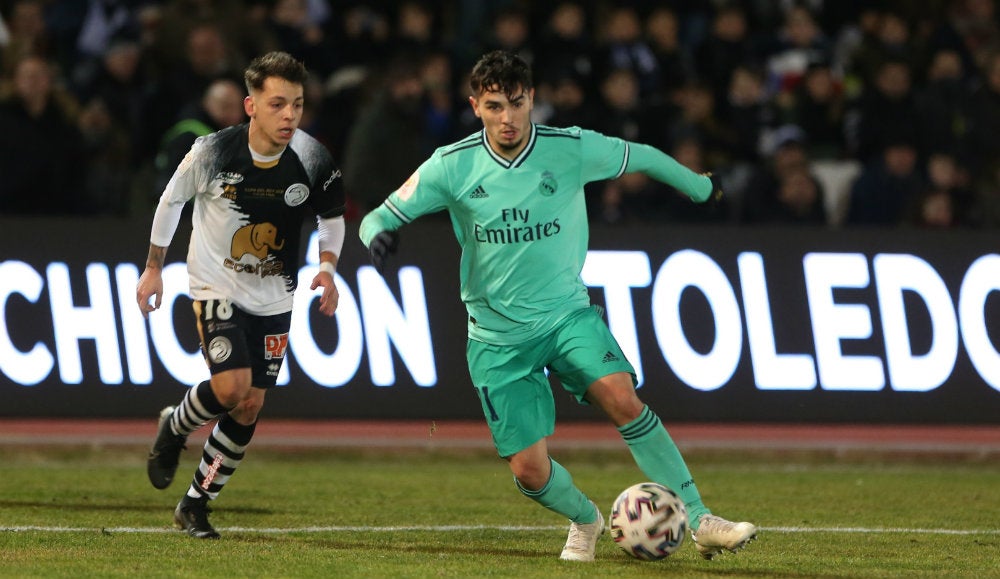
[89, 512]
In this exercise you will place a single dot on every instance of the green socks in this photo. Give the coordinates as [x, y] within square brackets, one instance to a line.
[657, 456]
[562, 496]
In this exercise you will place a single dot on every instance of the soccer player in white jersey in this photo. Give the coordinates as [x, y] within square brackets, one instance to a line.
[514, 192]
[252, 186]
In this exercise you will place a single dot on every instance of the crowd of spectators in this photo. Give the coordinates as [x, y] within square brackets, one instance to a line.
[826, 112]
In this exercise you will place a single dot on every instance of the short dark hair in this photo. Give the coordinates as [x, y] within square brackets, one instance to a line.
[500, 71]
[279, 64]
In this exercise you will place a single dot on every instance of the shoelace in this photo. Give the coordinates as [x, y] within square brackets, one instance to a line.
[710, 524]
[577, 541]
[578, 538]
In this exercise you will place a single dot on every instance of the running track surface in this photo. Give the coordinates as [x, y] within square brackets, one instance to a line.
[975, 441]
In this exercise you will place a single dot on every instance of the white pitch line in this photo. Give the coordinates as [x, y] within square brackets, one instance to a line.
[881, 530]
[446, 528]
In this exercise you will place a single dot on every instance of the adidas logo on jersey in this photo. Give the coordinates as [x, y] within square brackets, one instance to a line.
[479, 193]
[609, 357]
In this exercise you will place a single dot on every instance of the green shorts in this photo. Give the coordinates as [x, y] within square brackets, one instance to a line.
[514, 389]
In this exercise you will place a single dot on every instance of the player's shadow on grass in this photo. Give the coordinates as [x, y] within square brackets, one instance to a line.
[83, 506]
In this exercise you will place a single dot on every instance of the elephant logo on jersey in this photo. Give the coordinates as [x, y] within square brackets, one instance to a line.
[255, 239]
[548, 185]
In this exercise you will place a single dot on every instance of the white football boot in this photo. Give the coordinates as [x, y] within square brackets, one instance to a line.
[715, 534]
[582, 540]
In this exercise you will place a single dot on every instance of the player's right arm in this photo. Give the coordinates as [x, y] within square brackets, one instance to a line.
[424, 192]
[181, 188]
[151, 281]
[378, 233]
[165, 220]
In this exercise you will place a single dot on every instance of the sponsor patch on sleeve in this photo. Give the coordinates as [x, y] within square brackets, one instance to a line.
[406, 190]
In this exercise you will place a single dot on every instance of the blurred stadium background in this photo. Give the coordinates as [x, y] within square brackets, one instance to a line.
[850, 279]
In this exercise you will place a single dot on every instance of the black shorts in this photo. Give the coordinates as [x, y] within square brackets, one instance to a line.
[232, 338]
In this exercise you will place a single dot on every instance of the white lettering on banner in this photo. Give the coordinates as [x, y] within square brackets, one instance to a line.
[74, 323]
[771, 370]
[895, 274]
[329, 370]
[25, 368]
[684, 269]
[407, 328]
[833, 322]
[981, 279]
[373, 320]
[617, 272]
[185, 367]
[140, 370]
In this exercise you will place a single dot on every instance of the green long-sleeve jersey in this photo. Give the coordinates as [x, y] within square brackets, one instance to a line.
[522, 223]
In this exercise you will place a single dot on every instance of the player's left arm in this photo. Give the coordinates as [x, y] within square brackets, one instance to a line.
[331, 241]
[329, 202]
[665, 169]
[606, 157]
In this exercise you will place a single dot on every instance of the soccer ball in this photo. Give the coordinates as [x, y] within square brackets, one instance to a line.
[649, 521]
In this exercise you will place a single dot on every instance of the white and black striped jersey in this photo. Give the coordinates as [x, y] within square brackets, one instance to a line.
[248, 215]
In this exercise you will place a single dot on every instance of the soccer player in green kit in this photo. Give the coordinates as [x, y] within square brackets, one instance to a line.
[514, 192]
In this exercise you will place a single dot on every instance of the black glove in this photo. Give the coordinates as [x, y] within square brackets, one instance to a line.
[381, 247]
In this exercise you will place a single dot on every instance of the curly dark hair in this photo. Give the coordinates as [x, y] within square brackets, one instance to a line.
[279, 64]
[500, 71]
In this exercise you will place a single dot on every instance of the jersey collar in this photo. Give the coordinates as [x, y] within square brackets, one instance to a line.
[519, 159]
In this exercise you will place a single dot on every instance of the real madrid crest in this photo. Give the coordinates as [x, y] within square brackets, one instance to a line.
[548, 185]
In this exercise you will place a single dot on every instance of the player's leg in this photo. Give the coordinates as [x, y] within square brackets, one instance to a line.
[208, 399]
[519, 409]
[263, 344]
[198, 406]
[223, 452]
[659, 459]
[652, 447]
[539, 477]
[545, 481]
[594, 369]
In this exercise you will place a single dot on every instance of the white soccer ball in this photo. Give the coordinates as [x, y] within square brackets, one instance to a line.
[649, 521]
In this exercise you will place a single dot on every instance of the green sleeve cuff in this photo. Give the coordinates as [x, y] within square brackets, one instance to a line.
[378, 220]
